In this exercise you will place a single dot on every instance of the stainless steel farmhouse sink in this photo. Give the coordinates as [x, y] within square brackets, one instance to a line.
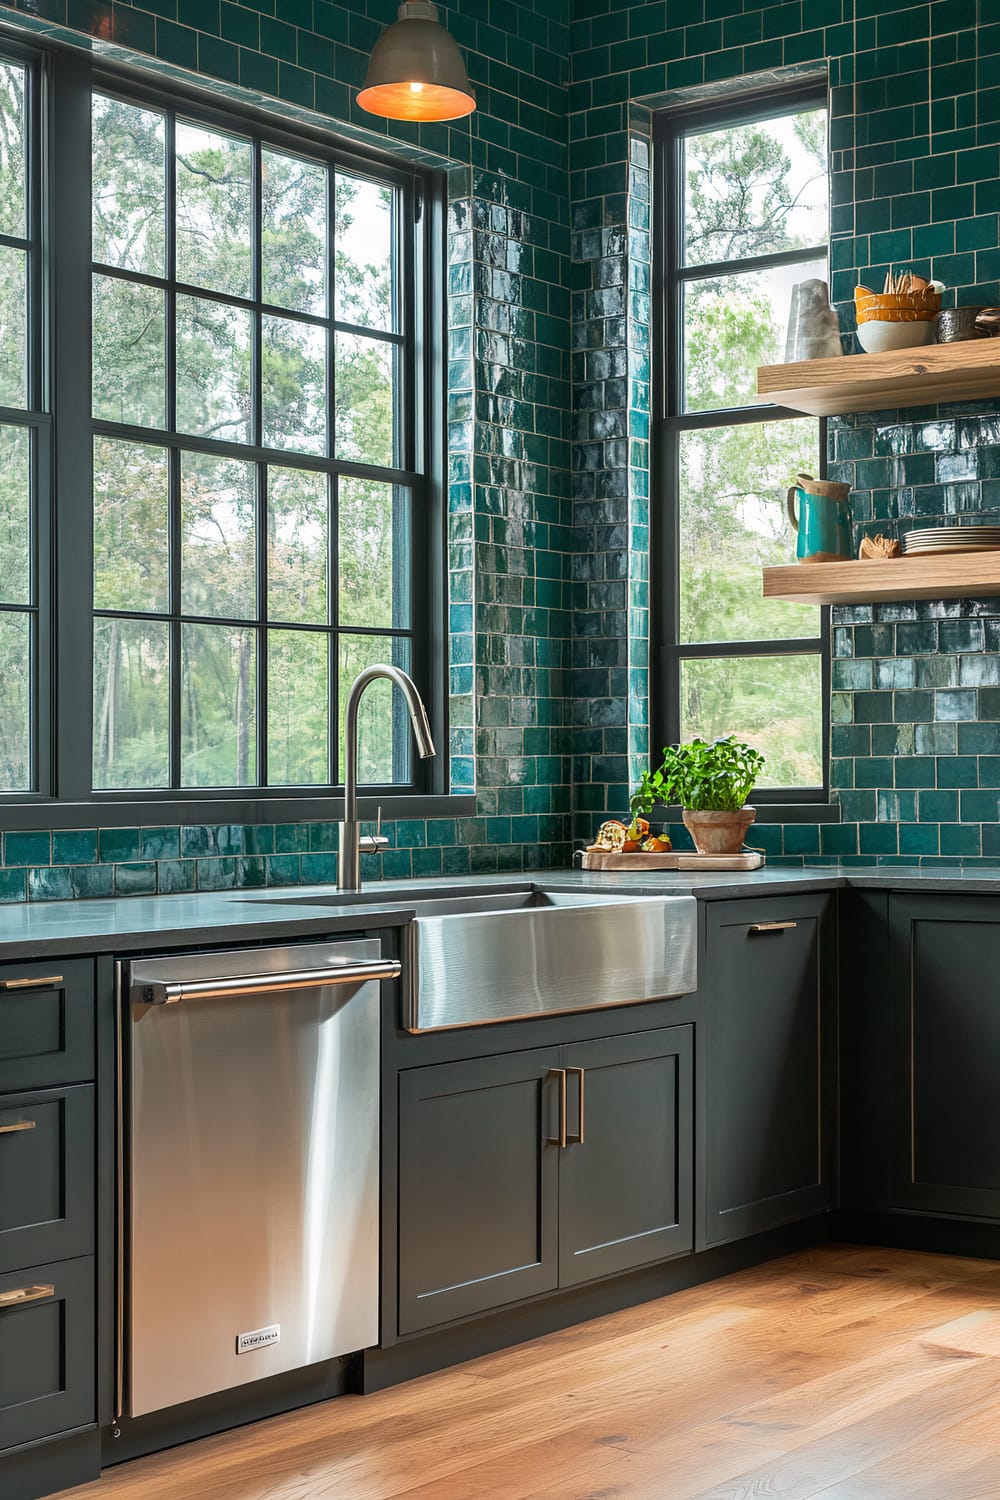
[534, 953]
[470, 960]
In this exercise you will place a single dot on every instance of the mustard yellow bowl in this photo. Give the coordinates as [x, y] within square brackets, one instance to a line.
[895, 307]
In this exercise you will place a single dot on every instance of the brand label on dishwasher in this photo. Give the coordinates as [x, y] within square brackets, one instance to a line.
[247, 1342]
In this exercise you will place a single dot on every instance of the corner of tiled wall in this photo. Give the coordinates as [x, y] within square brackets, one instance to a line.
[549, 545]
[510, 533]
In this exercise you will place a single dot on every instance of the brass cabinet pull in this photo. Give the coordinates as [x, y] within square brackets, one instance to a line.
[577, 1140]
[771, 926]
[42, 982]
[17, 1126]
[22, 1294]
[560, 1139]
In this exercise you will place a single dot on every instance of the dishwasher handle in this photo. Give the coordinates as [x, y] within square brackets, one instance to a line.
[163, 992]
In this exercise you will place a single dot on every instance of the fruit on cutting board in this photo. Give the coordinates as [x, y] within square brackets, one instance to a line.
[614, 838]
[611, 837]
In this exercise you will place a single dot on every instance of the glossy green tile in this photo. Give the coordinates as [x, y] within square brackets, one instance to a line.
[50, 884]
[137, 879]
[74, 847]
[27, 848]
[160, 843]
[173, 875]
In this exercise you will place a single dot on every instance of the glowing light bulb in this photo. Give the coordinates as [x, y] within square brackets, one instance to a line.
[416, 88]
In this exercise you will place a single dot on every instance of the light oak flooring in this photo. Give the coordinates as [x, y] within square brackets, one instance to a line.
[841, 1372]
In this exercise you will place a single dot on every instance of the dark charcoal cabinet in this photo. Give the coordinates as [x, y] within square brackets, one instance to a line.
[46, 1175]
[767, 1061]
[47, 1206]
[46, 1023]
[492, 1209]
[46, 1351]
[625, 1193]
[943, 1086]
[477, 1185]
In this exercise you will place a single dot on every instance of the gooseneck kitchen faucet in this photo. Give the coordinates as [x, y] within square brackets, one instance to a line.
[353, 843]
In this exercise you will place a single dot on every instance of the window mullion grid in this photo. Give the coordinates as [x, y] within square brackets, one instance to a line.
[41, 634]
[174, 629]
[740, 265]
[677, 420]
[40, 584]
[331, 309]
[263, 637]
[402, 314]
[178, 445]
[170, 245]
[333, 620]
[175, 512]
[71, 697]
[257, 387]
[288, 458]
[37, 376]
[333, 487]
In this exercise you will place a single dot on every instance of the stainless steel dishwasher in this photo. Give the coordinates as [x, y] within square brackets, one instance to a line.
[249, 1129]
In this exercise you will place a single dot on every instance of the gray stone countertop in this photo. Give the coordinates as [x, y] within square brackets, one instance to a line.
[34, 929]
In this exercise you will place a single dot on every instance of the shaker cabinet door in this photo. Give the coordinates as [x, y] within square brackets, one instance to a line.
[943, 1079]
[625, 1189]
[478, 1183]
[767, 1060]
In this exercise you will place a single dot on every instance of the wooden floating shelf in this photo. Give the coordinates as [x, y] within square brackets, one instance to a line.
[966, 371]
[876, 580]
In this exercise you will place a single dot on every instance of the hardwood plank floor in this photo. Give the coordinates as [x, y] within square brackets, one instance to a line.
[843, 1372]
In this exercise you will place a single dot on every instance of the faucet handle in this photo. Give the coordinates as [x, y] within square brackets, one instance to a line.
[373, 843]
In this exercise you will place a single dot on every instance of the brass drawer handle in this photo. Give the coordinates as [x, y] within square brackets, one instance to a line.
[771, 926]
[42, 982]
[560, 1139]
[22, 1294]
[577, 1140]
[17, 1126]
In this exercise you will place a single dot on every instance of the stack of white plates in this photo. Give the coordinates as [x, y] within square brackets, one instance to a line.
[951, 539]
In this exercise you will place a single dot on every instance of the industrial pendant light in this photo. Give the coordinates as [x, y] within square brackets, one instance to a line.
[416, 71]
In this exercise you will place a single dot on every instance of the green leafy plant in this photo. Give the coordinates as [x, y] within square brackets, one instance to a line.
[701, 776]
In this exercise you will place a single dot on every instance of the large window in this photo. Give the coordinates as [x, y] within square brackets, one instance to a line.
[24, 431]
[745, 218]
[255, 441]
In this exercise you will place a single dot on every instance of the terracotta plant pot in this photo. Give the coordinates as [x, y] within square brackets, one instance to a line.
[719, 832]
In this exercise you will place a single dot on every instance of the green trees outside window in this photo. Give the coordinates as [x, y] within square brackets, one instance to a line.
[751, 220]
[19, 417]
[247, 298]
[244, 442]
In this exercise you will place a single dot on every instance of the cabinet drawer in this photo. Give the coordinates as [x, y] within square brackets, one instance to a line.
[46, 1023]
[46, 1176]
[47, 1380]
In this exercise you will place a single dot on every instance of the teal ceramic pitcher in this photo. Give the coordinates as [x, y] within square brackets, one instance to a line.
[823, 523]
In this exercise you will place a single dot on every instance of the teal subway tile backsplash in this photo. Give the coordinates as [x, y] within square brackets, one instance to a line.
[550, 329]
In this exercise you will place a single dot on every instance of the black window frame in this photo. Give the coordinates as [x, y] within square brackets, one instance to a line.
[63, 81]
[667, 651]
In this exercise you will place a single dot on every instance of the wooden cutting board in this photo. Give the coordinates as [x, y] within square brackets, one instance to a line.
[600, 859]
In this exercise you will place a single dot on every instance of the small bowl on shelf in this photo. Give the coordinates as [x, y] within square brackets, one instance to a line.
[878, 337]
[896, 320]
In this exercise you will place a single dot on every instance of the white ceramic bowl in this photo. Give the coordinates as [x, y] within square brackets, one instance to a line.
[875, 337]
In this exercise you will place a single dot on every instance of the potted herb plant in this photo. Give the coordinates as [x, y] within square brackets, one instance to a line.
[711, 781]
